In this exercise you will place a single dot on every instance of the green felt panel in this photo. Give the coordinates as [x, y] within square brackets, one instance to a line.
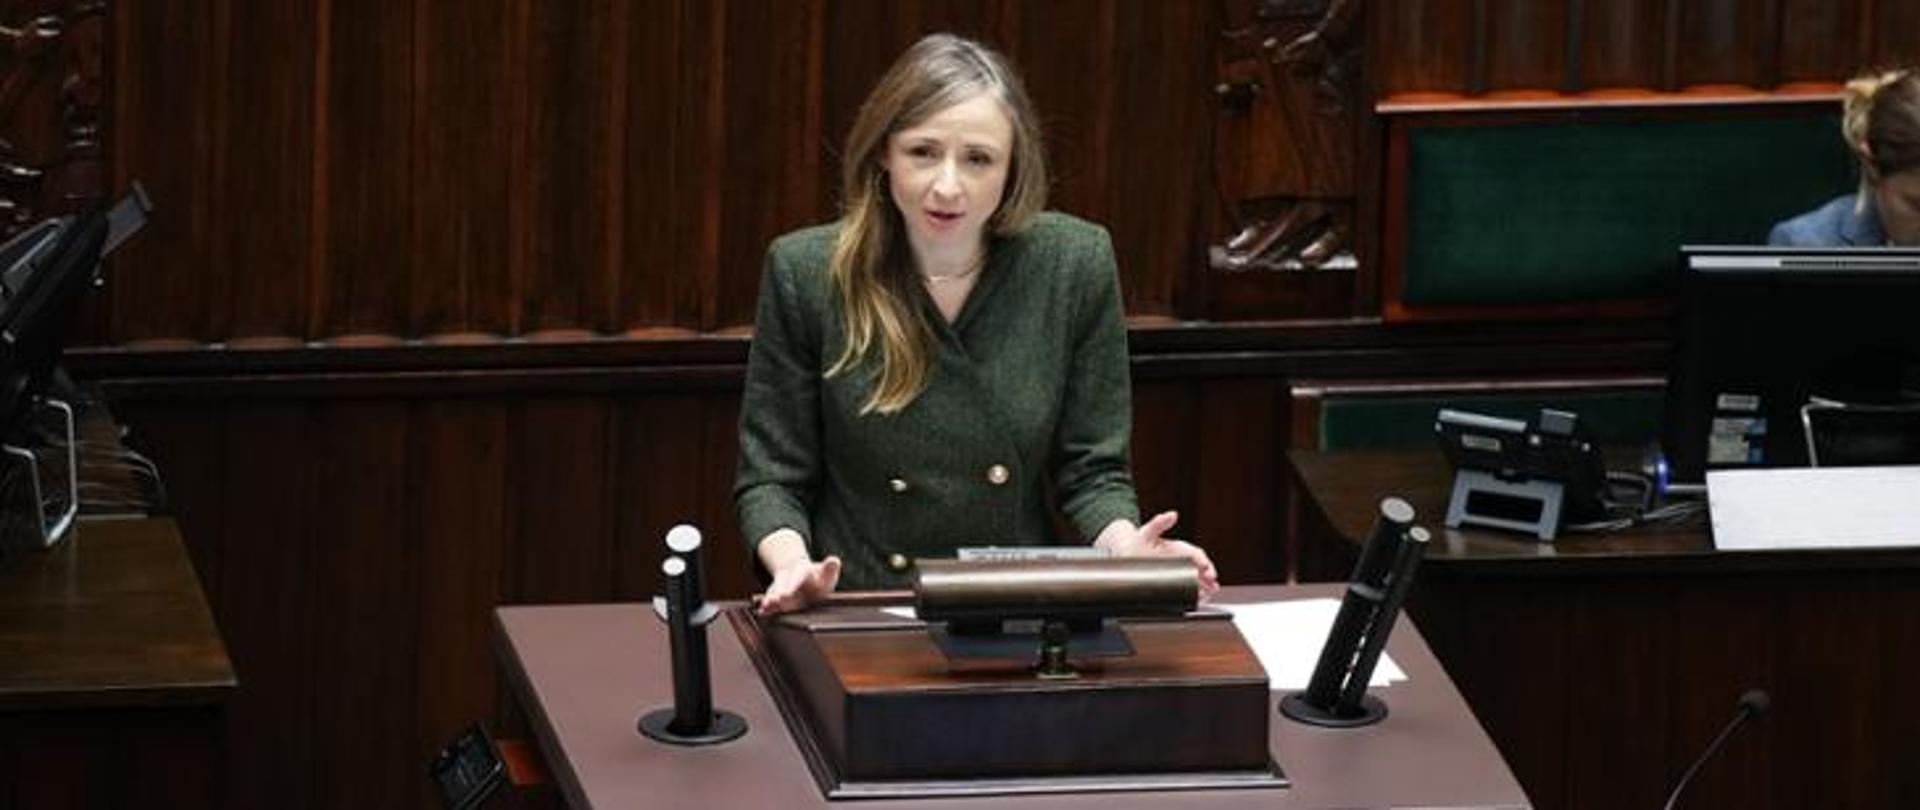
[1584, 211]
[1360, 423]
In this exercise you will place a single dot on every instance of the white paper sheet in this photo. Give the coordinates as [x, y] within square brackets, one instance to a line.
[1824, 507]
[1287, 637]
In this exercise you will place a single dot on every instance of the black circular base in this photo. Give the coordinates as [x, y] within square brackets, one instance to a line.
[725, 726]
[1295, 706]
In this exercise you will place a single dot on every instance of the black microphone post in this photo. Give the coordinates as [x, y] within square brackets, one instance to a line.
[1413, 548]
[691, 720]
[1336, 696]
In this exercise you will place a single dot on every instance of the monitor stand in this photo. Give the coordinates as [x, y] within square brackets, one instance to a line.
[38, 526]
[1484, 499]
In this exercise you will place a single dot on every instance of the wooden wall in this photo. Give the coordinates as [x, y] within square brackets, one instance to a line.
[445, 303]
[1493, 47]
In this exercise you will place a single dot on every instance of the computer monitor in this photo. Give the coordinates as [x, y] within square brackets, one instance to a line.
[1761, 331]
[44, 271]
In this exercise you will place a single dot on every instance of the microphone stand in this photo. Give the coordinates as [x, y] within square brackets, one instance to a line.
[692, 719]
[1752, 704]
[1336, 696]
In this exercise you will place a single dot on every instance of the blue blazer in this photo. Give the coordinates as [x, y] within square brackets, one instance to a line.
[1832, 225]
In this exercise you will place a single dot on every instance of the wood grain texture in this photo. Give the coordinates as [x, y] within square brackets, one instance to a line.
[1895, 27]
[468, 119]
[1621, 44]
[1526, 45]
[1426, 46]
[1822, 40]
[1726, 42]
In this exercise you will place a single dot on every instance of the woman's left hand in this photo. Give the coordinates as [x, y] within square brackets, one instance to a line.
[1150, 540]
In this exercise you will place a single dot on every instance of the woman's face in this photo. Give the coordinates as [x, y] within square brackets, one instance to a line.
[947, 173]
[1897, 197]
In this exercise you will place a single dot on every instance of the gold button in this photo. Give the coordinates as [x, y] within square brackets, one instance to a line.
[897, 484]
[897, 562]
[997, 474]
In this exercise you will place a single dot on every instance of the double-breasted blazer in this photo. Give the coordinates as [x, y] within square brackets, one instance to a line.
[1027, 406]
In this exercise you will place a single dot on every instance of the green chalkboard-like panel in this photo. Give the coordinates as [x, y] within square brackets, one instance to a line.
[1579, 210]
[1619, 417]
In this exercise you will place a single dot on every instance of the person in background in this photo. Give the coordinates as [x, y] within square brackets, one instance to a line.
[943, 363]
[1881, 123]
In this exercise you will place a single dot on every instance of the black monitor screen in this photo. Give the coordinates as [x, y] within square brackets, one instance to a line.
[1761, 330]
[37, 299]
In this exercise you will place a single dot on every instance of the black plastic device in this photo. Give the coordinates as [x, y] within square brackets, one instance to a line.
[468, 770]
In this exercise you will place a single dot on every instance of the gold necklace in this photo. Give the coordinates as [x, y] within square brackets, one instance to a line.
[979, 262]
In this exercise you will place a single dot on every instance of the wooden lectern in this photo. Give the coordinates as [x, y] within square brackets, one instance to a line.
[879, 710]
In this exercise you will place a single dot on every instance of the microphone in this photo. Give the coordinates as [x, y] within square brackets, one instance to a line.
[1753, 703]
[1336, 696]
[692, 719]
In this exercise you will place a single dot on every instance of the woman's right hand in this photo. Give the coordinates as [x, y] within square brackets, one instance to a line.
[799, 583]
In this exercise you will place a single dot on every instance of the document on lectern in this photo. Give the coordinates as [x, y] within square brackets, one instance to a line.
[1818, 507]
[1287, 636]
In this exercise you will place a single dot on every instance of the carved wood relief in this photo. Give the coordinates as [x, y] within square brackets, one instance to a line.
[50, 91]
[1288, 92]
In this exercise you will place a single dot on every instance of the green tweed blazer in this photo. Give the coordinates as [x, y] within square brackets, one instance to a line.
[1029, 396]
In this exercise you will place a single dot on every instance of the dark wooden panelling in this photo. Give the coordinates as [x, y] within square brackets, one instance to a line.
[366, 565]
[1621, 44]
[1721, 42]
[458, 474]
[771, 124]
[561, 540]
[1896, 32]
[670, 188]
[1237, 457]
[1076, 92]
[1602, 689]
[1834, 655]
[1480, 628]
[471, 183]
[1900, 735]
[1164, 471]
[1213, 450]
[1607, 645]
[732, 570]
[571, 257]
[1424, 46]
[249, 518]
[606, 168]
[109, 760]
[164, 120]
[367, 169]
[662, 480]
[1526, 45]
[1160, 66]
[1821, 40]
[262, 251]
[1742, 651]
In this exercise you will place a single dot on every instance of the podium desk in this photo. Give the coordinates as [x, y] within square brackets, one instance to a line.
[585, 673]
[112, 672]
[1602, 664]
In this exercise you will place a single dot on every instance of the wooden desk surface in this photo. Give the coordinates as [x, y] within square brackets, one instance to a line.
[1346, 487]
[113, 617]
[585, 673]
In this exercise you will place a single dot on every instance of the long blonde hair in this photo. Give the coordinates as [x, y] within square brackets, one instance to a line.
[871, 266]
[1881, 121]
